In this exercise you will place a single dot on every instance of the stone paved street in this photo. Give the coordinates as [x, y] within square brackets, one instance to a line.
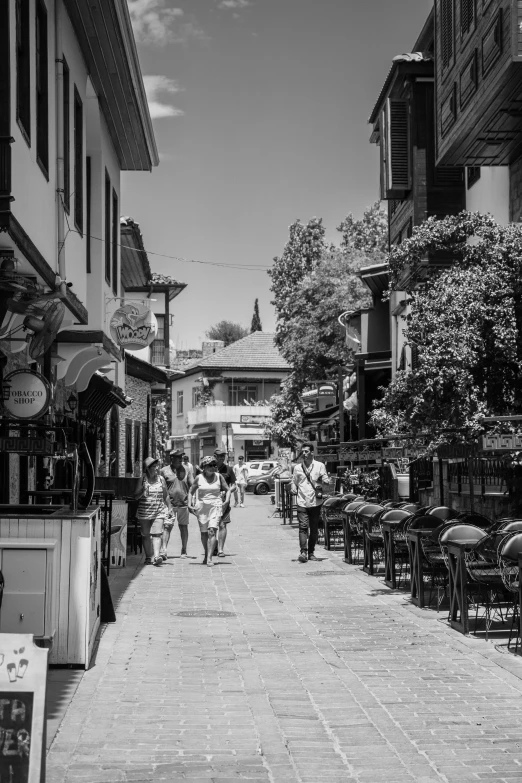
[314, 678]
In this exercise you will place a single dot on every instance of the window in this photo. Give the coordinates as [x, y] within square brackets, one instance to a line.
[115, 241]
[395, 149]
[66, 137]
[107, 227]
[78, 161]
[446, 31]
[129, 467]
[179, 408]
[137, 447]
[23, 68]
[473, 175]
[42, 89]
[88, 196]
[467, 15]
[196, 396]
[158, 345]
[239, 395]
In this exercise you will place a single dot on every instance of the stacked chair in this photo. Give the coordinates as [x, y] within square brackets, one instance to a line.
[332, 519]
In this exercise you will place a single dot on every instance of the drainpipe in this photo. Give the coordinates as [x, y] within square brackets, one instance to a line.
[60, 154]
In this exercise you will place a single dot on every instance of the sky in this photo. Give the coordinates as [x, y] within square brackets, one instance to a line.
[260, 112]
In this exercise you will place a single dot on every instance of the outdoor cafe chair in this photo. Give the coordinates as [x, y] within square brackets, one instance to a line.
[393, 523]
[509, 551]
[485, 583]
[332, 518]
[442, 512]
[367, 524]
[455, 540]
[353, 541]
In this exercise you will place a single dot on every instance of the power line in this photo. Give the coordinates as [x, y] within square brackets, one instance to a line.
[244, 267]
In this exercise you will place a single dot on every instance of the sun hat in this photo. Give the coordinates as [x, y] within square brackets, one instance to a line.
[176, 453]
[207, 462]
[148, 462]
[220, 452]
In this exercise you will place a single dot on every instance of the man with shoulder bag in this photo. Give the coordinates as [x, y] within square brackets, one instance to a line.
[307, 481]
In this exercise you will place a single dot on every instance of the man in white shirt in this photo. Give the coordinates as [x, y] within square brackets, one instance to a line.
[241, 474]
[307, 481]
[187, 465]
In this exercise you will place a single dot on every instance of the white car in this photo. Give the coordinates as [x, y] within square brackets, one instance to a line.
[260, 467]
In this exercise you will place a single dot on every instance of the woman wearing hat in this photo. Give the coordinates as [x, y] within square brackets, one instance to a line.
[153, 509]
[206, 501]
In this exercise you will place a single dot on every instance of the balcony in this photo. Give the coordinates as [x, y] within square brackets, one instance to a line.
[215, 414]
[479, 83]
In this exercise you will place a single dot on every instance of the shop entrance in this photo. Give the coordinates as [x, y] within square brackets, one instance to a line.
[256, 449]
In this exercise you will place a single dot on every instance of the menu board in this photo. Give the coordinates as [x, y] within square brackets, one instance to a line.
[23, 678]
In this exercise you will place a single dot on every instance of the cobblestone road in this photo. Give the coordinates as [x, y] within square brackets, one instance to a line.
[314, 678]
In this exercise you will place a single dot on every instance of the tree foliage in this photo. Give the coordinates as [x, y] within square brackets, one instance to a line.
[256, 325]
[465, 325]
[314, 283]
[228, 331]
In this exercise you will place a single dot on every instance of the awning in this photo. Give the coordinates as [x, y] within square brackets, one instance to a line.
[99, 397]
[249, 433]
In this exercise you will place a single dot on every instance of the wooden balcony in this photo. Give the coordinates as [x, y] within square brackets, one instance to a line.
[479, 83]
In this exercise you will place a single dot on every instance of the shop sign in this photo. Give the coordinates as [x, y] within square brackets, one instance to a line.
[26, 394]
[257, 442]
[133, 327]
[253, 420]
[31, 446]
[327, 457]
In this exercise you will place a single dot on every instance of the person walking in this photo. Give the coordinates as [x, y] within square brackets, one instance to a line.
[189, 467]
[230, 479]
[241, 474]
[154, 508]
[307, 480]
[206, 501]
[178, 479]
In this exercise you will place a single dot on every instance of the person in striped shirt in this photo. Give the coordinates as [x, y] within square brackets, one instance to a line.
[154, 507]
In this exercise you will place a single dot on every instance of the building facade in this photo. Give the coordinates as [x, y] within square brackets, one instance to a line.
[222, 400]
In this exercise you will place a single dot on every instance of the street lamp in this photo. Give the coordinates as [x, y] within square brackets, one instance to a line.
[72, 402]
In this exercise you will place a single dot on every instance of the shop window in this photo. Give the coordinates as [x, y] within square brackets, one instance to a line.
[129, 466]
[66, 137]
[137, 449]
[42, 89]
[107, 227]
[158, 345]
[23, 68]
[179, 408]
[78, 161]
[242, 395]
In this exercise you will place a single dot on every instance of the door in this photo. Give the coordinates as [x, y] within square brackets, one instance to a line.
[23, 603]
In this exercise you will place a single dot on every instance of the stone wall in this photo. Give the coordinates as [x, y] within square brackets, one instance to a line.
[136, 412]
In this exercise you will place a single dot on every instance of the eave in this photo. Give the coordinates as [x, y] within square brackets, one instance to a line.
[171, 290]
[376, 277]
[144, 371]
[398, 72]
[90, 337]
[104, 32]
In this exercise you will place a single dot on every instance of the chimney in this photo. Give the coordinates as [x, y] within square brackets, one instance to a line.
[211, 346]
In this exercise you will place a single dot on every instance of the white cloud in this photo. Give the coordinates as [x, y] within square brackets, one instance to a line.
[234, 4]
[155, 87]
[153, 23]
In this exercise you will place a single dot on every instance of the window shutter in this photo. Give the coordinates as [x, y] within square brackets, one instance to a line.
[398, 168]
[467, 15]
[446, 31]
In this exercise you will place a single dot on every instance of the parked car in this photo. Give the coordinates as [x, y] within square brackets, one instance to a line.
[262, 485]
[259, 467]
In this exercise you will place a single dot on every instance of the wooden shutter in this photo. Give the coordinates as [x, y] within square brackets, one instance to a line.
[467, 15]
[446, 32]
[397, 152]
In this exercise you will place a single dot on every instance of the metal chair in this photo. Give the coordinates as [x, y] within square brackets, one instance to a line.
[368, 528]
[394, 523]
[353, 541]
[509, 550]
[485, 585]
[442, 512]
[332, 518]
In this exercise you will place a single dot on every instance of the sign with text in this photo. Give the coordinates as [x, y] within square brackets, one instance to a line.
[133, 327]
[23, 678]
[26, 394]
[253, 420]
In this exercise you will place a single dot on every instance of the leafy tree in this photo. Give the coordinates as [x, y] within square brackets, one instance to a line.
[302, 252]
[286, 414]
[227, 331]
[465, 324]
[256, 325]
[369, 234]
[160, 431]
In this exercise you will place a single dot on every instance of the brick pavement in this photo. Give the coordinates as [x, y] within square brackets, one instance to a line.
[316, 678]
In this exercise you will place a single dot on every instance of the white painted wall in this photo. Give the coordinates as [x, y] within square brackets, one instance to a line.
[490, 194]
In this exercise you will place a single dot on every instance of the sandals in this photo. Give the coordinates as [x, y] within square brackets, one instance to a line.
[221, 554]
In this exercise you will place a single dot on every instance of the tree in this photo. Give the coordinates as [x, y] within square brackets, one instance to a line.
[227, 331]
[286, 414]
[465, 326]
[256, 325]
[370, 234]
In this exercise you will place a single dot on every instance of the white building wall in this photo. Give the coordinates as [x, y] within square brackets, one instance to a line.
[490, 193]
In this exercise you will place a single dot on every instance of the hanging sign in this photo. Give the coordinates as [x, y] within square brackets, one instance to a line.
[26, 394]
[23, 677]
[133, 327]
[253, 420]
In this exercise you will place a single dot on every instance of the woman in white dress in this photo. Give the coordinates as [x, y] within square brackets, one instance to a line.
[208, 493]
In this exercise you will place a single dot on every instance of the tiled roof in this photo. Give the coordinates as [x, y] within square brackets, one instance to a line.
[159, 279]
[256, 351]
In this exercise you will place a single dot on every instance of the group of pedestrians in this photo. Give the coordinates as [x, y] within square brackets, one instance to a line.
[170, 494]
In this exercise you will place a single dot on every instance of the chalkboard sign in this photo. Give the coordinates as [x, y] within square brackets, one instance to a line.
[23, 678]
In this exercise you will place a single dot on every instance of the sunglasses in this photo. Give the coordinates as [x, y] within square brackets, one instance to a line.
[210, 465]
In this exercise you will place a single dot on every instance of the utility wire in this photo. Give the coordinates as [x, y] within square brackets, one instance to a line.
[244, 267]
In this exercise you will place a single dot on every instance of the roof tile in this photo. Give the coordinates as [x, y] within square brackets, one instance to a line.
[254, 352]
